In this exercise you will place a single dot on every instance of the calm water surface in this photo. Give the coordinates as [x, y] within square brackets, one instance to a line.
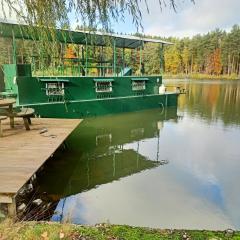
[172, 168]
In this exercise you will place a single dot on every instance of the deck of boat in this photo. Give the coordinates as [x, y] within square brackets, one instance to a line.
[23, 152]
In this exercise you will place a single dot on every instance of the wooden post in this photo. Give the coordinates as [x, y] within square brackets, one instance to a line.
[11, 204]
[1, 134]
[12, 208]
[26, 123]
[11, 116]
[1, 118]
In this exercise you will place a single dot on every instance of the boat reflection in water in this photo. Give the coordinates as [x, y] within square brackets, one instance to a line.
[101, 150]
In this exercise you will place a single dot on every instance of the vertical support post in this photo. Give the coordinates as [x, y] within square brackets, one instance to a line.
[140, 60]
[9, 55]
[14, 48]
[88, 171]
[138, 154]
[1, 131]
[114, 163]
[12, 208]
[162, 64]
[136, 55]
[123, 59]
[62, 58]
[83, 60]
[86, 59]
[22, 52]
[43, 67]
[10, 110]
[114, 57]
[65, 47]
[33, 63]
[102, 64]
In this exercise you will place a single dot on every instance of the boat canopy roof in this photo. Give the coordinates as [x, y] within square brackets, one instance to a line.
[23, 31]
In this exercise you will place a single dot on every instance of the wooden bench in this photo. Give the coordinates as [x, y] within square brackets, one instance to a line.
[1, 119]
[26, 114]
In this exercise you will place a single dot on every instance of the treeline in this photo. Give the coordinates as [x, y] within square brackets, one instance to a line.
[214, 53]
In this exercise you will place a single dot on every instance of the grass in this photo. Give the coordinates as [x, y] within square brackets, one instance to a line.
[49, 230]
[201, 76]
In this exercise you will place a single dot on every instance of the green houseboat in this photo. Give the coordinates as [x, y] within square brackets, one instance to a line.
[84, 84]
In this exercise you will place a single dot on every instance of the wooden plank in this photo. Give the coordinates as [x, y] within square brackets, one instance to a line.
[23, 152]
[6, 199]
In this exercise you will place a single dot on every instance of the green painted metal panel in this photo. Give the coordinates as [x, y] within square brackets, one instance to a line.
[10, 74]
[80, 99]
[97, 107]
[140, 79]
[53, 80]
[31, 90]
[2, 85]
[24, 70]
[103, 80]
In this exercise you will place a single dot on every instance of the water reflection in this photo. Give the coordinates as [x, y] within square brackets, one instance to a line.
[104, 149]
[112, 169]
[211, 100]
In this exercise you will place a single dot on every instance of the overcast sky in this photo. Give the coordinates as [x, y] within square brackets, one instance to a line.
[190, 19]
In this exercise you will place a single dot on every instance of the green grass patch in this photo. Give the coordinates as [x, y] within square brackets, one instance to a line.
[49, 231]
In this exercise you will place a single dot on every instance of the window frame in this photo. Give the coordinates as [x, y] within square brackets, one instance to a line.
[109, 90]
[137, 83]
[59, 89]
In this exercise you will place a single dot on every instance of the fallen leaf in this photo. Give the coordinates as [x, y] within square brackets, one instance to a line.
[61, 235]
[45, 236]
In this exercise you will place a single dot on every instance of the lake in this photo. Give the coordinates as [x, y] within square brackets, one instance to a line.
[166, 168]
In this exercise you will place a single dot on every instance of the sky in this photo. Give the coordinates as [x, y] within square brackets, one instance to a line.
[190, 19]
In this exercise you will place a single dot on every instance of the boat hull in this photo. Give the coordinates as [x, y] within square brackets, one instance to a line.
[97, 107]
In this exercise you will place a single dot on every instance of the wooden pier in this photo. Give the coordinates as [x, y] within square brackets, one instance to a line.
[23, 152]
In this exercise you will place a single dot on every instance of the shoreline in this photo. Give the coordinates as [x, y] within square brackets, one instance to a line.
[201, 77]
[52, 230]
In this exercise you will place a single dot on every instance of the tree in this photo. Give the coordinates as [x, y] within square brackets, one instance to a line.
[172, 60]
[214, 64]
[152, 58]
[70, 54]
[186, 59]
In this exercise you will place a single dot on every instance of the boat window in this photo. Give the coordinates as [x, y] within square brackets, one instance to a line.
[103, 86]
[55, 89]
[138, 85]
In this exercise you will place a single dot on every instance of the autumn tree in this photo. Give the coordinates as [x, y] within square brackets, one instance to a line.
[70, 54]
[172, 60]
[214, 65]
[186, 59]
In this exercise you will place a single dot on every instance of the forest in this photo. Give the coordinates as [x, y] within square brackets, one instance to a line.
[215, 54]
